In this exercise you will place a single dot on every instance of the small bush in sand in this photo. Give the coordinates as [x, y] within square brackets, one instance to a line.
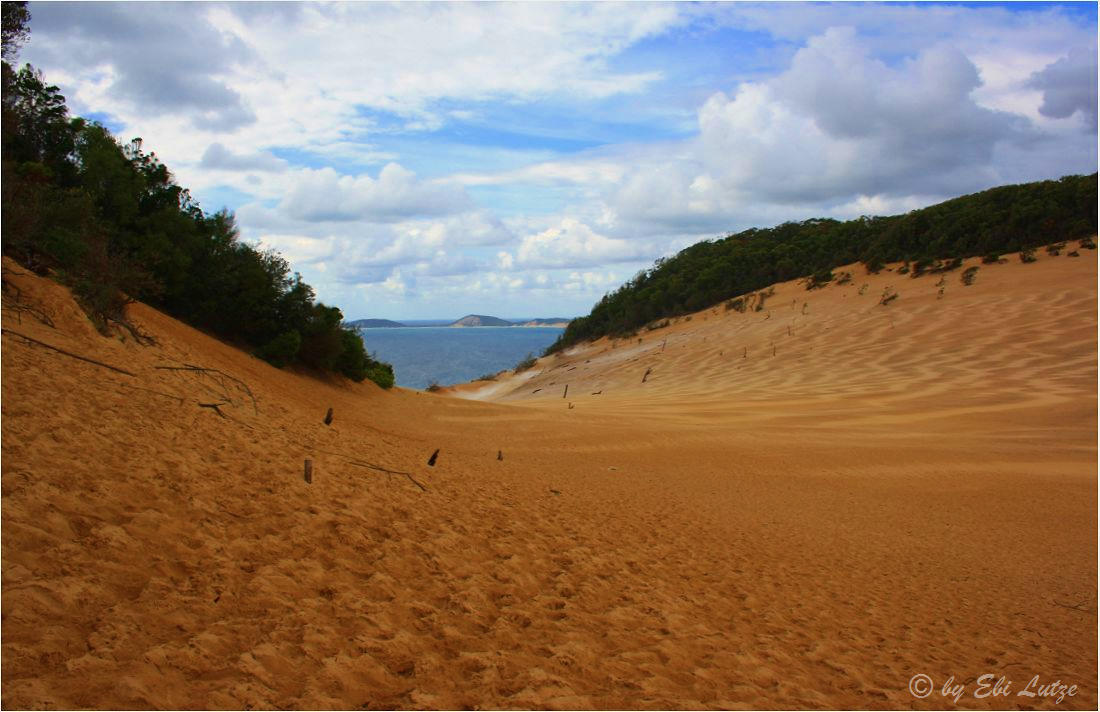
[904, 268]
[946, 265]
[888, 295]
[737, 305]
[653, 326]
[1056, 249]
[526, 364]
[968, 276]
[1073, 253]
[1088, 244]
[924, 264]
[874, 265]
[844, 278]
[819, 279]
[488, 377]
[991, 259]
[1027, 255]
[434, 387]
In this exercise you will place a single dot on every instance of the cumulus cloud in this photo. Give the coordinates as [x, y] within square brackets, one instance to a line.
[840, 122]
[170, 58]
[572, 244]
[1069, 86]
[325, 195]
[218, 157]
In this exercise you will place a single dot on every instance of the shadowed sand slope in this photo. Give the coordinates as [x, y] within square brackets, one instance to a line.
[898, 489]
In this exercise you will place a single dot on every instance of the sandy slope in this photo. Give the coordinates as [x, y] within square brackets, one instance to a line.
[899, 489]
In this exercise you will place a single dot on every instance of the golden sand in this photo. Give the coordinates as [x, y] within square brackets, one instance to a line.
[803, 506]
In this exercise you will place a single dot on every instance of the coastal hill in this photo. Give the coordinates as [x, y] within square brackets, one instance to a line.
[800, 505]
[375, 324]
[480, 320]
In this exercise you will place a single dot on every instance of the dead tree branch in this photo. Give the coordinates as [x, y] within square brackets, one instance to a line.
[187, 367]
[70, 354]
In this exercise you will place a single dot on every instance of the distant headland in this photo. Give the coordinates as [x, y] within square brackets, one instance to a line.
[470, 320]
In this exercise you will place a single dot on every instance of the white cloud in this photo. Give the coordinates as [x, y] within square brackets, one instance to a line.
[573, 244]
[325, 195]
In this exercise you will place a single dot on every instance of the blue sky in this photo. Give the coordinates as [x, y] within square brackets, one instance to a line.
[437, 159]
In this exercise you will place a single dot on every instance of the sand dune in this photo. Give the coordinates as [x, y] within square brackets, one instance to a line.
[897, 489]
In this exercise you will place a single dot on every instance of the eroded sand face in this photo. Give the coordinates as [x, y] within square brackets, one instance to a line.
[899, 489]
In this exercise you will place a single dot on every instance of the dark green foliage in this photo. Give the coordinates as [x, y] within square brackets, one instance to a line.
[282, 350]
[997, 221]
[991, 259]
[381, 373]
[737, 305]
[526, 364]
[1027, 255]
[109, 221]
[1056, 249]
[968, 276]
[1088, 244]
[487, 377]
[844, 278]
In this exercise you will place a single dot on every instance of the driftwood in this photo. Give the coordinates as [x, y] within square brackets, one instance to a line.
[328, 417]
[16, 304]
[566, 392]
[367, 465]
[309, 472]
[215, 407]
[63, 352]
[596, 393]
[140, 337]
[432, 459]
[500, 455]
[200, 369]
[1074, 607]
[647, 372]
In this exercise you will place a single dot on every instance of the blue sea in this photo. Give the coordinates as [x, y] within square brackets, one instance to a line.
[445, 355]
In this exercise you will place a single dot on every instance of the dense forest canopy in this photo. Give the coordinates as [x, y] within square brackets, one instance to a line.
[1001, 220]
[108, 220]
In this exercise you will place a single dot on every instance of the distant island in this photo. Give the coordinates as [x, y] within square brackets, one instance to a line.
[467, 321]
[375, 324]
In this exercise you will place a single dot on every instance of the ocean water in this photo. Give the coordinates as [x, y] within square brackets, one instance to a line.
[446, 355]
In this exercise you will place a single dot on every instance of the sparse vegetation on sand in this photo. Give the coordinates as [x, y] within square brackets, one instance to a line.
[968, 276]
[526, 364]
